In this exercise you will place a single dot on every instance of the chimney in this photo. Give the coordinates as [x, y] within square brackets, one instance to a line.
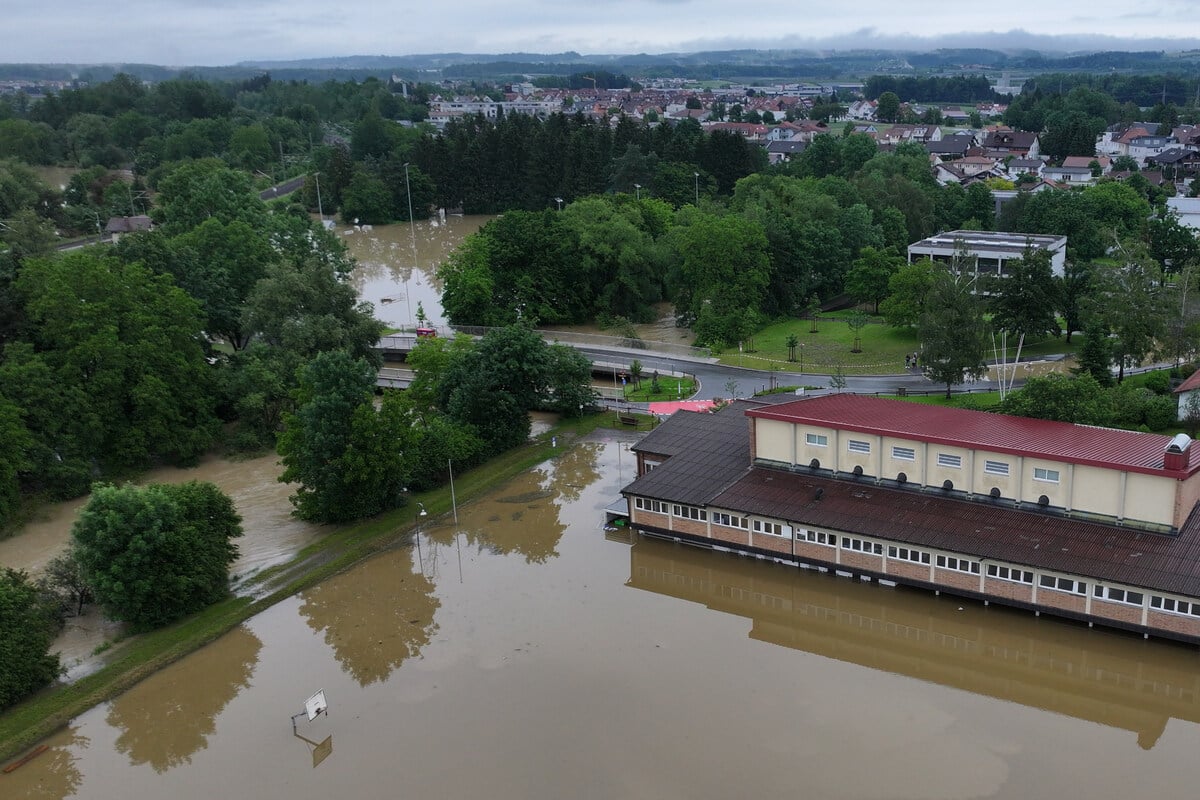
[1178, 452]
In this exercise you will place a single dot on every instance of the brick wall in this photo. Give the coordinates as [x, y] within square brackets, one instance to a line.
[907, 569]
[1009, 590]
[1056, 599]
[851, 558]
[956, 579]
[1189, 626]
[778, 544]
[731, 535]
[814, 551]
[1118, 611]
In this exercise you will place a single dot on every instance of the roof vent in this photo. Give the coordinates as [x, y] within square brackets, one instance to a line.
[858, 470]
[995, 493]
[1178, 452]
[1043, 501]
[820, 493]
[901, 478]
[815, 464]
[947, 484]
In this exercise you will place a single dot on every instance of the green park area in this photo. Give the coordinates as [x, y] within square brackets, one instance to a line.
[824, 344]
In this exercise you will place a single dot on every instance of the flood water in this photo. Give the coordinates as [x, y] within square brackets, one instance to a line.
[393, 277]
[272, 536]
[528, 653]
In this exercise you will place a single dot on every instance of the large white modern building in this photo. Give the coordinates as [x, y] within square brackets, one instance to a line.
[987, 252]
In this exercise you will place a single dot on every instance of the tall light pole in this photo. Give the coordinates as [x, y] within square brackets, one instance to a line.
[320, 210]
[637, 187]
[559, 200]
[696, 175]
[412, 233]
[417, 535]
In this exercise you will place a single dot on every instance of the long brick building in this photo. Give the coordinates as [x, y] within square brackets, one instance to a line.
[1089, 523]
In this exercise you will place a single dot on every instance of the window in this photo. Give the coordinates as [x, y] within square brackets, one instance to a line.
[1063, 584]
[1009, 574]
[995, 467]
[905, 554]
[690, 512]
[772, 528]
[1118, 595]
[730, 521]
[856, 446]
[958, 564]
[904, 454]
[817, 537]
[816, 439]
[1175, 606]
[947, 460]
[1047, 475]
[862, 546]
[646, 504]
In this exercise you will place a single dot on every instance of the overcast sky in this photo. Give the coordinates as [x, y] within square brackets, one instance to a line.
[216, 32]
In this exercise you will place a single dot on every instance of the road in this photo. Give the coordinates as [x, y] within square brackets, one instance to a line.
[279, 190]
[717, 380]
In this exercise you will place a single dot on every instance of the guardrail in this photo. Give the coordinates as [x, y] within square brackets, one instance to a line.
[600, 340]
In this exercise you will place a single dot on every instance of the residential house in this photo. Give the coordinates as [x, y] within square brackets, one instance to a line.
[1072, 176]
[782, 151]
[1006, 142]
[1188, 209]
[119, 226]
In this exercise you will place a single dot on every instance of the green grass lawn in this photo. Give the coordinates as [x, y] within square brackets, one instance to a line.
[669, 388]
[883, 347]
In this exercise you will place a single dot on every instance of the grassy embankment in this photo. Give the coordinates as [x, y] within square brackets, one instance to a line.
[139, 656]
[883, 347]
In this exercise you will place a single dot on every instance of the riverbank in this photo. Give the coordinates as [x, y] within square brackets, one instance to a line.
[138, 657]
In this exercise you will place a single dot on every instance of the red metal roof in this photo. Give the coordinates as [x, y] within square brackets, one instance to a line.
[1192, 382]
[1000, 433]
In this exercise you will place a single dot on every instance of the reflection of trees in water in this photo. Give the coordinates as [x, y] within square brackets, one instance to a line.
[52, 775]
[375, 616]
[170, 715]
[525, 518]
[575, 470]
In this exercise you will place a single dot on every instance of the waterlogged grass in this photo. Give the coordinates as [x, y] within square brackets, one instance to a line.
[883, 347]
[139, 656]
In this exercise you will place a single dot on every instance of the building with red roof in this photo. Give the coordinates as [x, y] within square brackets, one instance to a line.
[1089, 523]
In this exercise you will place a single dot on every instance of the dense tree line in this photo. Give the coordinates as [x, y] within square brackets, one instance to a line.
[933, 88]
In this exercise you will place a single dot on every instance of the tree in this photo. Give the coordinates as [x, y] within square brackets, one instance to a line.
[952, 332]
[1079, 399]
[1095, 357]
[349, 459]
[867, 281]
[64, 580]
[28, 624]
[635, 372]
[157, 553]
[722, 276]
[813, 312]
[792, 342]
[857, 320]
[1023, 302]
[907, 290]
[1127, 301]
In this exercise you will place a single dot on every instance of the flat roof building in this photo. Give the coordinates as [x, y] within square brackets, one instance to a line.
[988, 252]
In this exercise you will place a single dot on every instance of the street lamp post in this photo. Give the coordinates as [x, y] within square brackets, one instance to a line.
[559, 200]
[412, 235]
[417, 535]
[696, 175]
[637, 187]
[802, 359]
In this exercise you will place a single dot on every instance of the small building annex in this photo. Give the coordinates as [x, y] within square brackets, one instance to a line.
[1088, 523]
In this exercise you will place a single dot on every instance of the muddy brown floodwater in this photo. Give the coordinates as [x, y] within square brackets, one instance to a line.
[528, 653]
[394, 277]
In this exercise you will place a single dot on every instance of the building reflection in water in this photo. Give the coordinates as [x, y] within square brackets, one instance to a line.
[170, 715]
[1103, 677]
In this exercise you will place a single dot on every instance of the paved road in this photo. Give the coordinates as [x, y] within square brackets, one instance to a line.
[280, 189]
[716, 380]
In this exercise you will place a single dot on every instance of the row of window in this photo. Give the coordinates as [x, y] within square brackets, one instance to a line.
[958, 564]
[906, 554]
[948, 460]
[1174, 606]
[969, 566]
[770, 528]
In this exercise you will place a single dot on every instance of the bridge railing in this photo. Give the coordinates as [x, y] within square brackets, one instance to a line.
[600, 340]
